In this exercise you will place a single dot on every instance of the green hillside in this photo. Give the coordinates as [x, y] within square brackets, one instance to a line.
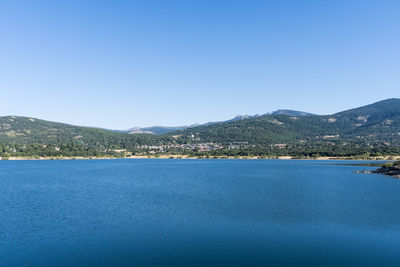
[376, 126]
[370, 130]
[33, 136]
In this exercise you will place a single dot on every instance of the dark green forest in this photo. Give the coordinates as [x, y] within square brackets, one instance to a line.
[368, 131]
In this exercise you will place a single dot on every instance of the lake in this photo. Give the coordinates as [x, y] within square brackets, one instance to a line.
[165, 212]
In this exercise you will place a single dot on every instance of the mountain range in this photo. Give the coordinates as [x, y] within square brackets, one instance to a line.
[374, 128]
[168, 129]
[375, 123]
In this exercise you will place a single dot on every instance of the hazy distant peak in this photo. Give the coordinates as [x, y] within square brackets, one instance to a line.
[244, 117]
[290, 112]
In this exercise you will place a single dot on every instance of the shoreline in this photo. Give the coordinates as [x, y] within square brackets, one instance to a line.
[385, 158]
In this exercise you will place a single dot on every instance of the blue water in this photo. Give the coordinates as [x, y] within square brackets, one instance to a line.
[196, 213]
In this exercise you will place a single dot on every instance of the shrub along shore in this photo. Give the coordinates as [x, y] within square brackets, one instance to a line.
[180, 156]
[391, 169]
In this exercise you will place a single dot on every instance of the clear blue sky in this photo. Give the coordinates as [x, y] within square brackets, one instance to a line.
[119, 64]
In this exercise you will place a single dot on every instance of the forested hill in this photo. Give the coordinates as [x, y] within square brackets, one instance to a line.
[165, 130]
[371, 129]
[27, 134]
[375, 123]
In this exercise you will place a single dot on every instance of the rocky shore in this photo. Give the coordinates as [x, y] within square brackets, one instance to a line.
[391, 169]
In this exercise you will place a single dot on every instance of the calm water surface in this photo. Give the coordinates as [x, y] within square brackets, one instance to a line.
[196, 212]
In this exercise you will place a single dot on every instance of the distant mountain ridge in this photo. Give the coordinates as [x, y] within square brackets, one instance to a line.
[375, 123]
[373, 128]
[159, 130]
[292, 113]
